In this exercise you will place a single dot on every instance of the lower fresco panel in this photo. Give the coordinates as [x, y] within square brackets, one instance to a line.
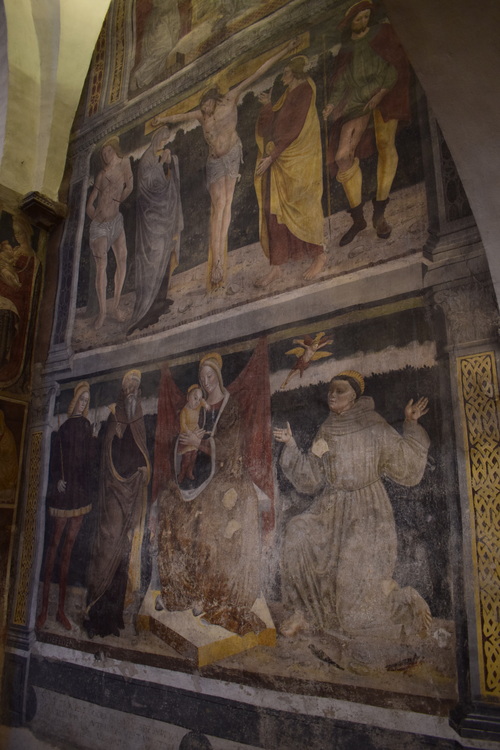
[303, 471]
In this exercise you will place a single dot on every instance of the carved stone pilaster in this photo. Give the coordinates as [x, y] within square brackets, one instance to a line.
[42, 399]
[69, 258]
[22, 600]
[452, 227]
[470, 311]
[478, 431]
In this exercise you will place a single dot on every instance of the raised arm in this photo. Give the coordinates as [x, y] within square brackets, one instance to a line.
[181, 117]
[238, 90]
[128, 179]
[90, 207]
[413, 411]
[404, 458]
[304, 471]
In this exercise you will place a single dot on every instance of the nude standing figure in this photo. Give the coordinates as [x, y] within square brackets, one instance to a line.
[112, 186]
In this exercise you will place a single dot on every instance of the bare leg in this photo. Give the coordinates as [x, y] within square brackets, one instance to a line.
[217, 209]
[316, 267]
[184, 470]
[350, 136]
[57, 530]
[290, 375]
[73, 527]
[99, 249]
[120, 250]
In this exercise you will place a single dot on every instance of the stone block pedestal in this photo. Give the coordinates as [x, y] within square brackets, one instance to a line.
[197, 639]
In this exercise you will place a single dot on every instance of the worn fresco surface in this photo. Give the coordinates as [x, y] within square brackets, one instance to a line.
[20, 285]
[12, 428]
[171, 35]
[249, 459]
[210, 204]
[192, 515]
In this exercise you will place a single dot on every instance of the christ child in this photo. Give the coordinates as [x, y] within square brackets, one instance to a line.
[190, 422]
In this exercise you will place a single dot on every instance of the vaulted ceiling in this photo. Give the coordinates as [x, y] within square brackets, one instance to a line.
[44, 58]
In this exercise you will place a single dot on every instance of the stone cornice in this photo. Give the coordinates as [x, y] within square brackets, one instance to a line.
[42, 211]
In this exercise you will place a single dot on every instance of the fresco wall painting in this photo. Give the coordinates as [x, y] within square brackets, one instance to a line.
[169, 229]
[12, 434]
[133, 579]
[20, 287]
[208, 217]
[22, 252]
[249, 467]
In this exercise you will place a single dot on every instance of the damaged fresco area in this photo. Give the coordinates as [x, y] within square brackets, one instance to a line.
[249, 449]
[265, 512]
[280, 172]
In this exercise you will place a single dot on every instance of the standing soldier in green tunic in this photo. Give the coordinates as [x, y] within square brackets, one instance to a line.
[370, 80]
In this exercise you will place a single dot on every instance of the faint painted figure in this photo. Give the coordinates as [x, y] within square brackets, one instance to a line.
[160, 36]
[289, 175]
[8, 258]
[112, 186]
[209, 541]
[8, 463]
[19, 284]
[69, 495]
[159, 223]
[23, 233]
[339, 556]
[370, 84]
[114, 574]
[9, 326]
[218, 116]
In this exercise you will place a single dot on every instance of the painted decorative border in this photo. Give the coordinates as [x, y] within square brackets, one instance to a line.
[479, 403]
[119, 40]
[97, 74]
[29, 531]
[19, 444]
